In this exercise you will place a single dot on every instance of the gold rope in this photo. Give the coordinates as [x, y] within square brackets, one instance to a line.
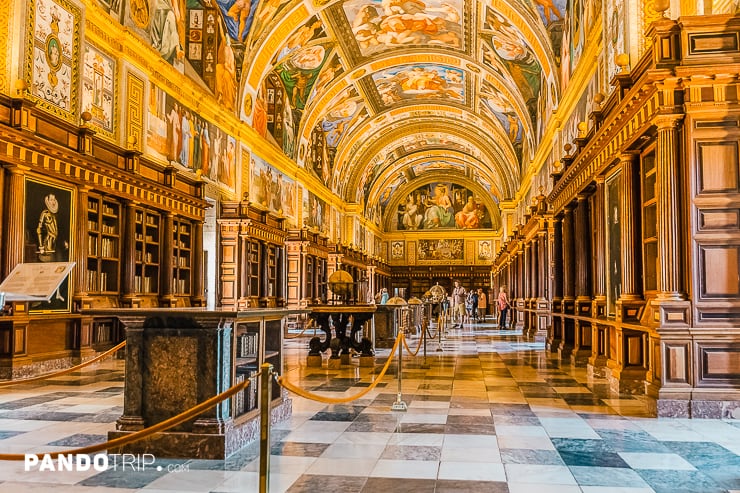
[146, 432]
[406, 345]
[341, 400]
[64, 372]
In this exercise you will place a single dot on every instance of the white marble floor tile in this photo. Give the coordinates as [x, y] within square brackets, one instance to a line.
[535, 473]
[471, 471]
[418, 469]
[656, 461]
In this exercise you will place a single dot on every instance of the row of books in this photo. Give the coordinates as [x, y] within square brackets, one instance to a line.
[144, 284]
[140, 256]
[98, 281]
[150, 220]
[246, 400]
[182, 286]
[247, 344]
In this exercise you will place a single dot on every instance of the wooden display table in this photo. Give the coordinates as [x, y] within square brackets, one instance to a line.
[341, 343]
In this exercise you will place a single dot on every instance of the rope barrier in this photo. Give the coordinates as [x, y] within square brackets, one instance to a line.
[406, 345]
[64, 372]
[146, 432]
[341, 400]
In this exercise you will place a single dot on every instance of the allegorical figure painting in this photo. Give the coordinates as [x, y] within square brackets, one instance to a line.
[379, 25]
[447, 249]
[422, 81]
[271, 189]
[441, 206]
[496, 105]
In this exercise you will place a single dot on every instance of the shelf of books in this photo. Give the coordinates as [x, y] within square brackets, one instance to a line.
[103, 245]
[147, 239]
[182, 256]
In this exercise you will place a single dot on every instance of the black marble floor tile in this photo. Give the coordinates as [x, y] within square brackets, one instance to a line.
[308, 483]
[511, 410]
[607, 476]
[420, 428]
[432, 398]
[706, 455]
[47, 416]
[405, 485]
[389, 426]
[299, 449]
[470, 429]
[632, 441]
[79, 440]
[448, 486]
[456, 420]
[672, 481]
[526, 456]
[10, 434]
[99, 418]
[584, 452]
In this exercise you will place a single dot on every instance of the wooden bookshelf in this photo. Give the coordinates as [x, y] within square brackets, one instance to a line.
[147, 251]
[103, 245]
[182, 257]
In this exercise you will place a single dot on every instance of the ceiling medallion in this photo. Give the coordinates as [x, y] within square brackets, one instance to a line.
[359, 73]
[472, 68]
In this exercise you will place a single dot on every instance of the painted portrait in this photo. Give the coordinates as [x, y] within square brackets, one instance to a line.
[238, 16]
[485, 251]
[99, 88]
[440, 250]
[47, 220]
[53, 54]
[379, 25]
[420, 81]
[299, 71]
[397, 250]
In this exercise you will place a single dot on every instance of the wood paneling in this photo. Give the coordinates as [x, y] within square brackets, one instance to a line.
[719, 219]
[720, 277]
[718, 167]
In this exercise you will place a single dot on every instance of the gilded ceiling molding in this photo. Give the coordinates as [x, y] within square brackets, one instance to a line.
[440, 176]
[358, 140]
[408, 162]
[493, 152]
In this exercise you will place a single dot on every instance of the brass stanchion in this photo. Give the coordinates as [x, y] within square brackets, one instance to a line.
[265, 407]
[424, 328]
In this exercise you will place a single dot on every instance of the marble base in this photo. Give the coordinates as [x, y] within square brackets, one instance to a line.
[367, 361]
[668, 408]
[215, 446]
[314, 361]
[334, 363]
[626, 383]
[345, 359]
[26, 367]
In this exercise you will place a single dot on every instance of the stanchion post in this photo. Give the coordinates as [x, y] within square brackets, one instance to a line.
[424, 328]
[265, 407]
[441, 325]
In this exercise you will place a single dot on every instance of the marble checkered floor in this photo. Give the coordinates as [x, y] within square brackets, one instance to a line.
[493, 413]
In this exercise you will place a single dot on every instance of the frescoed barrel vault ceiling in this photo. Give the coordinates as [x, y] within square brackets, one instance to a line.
[377, 98]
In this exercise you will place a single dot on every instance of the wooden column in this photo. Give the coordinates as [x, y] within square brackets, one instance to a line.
[166, 294]
[13, 221]
[80, 249]
[630, 248]
[583, 250]
[668, 209]
[569, 281]
[243, 267]
[2, 218]
[526, 272]
[555, 253]
[128, 259]
[198, 297]
[599, 249]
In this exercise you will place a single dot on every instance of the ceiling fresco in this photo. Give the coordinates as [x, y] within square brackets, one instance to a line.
[359, 91]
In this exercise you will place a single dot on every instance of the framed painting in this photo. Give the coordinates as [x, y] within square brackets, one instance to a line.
[47, 231]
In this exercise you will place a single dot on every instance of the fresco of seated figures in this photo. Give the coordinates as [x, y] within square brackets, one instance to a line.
[441, 206]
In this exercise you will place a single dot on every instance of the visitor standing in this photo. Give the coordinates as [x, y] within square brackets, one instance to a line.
[458, 307]
[482, 305]
[503, 307]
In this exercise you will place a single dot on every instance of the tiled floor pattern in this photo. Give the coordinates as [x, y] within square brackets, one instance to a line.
[493, 413]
